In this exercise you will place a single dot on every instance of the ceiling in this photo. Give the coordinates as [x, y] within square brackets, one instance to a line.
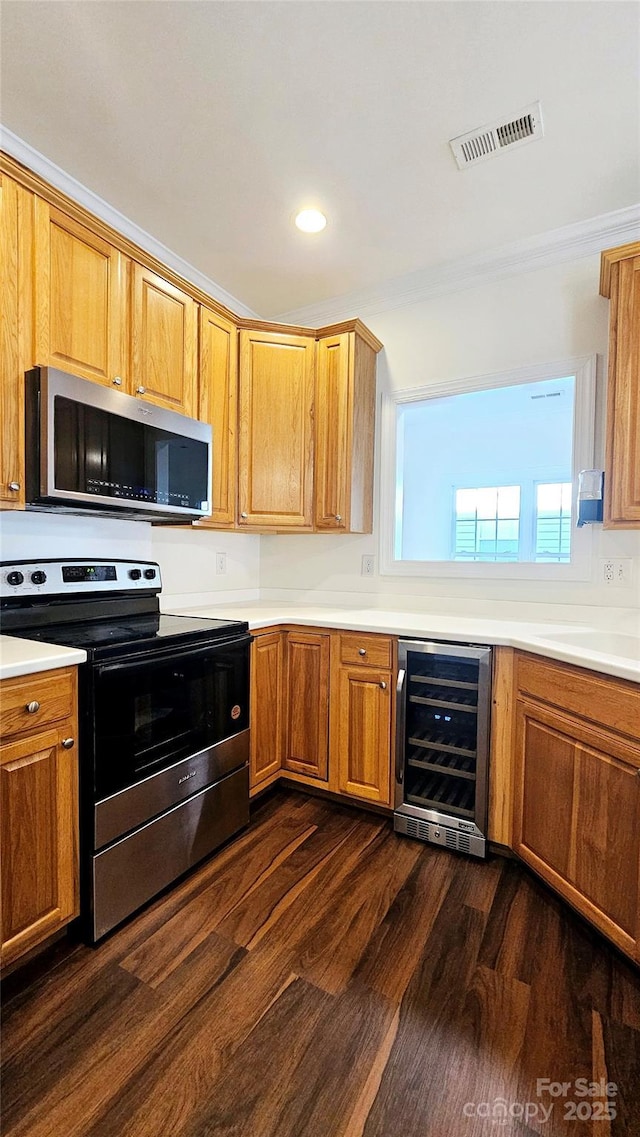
[210, 124]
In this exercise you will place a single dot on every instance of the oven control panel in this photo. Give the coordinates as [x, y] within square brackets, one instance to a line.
[73, 577]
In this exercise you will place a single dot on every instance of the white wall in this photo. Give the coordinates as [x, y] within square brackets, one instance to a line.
[533, 318]
[186, 557]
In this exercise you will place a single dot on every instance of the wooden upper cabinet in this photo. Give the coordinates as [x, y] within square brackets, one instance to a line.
[79, 298]
[275, 457]
[307, 680]
[11, 387]
[620, 280]
[164, 334]
[218, 405]
[345, 420]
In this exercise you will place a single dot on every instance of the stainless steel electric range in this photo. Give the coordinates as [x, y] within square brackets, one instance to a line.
[164, 724]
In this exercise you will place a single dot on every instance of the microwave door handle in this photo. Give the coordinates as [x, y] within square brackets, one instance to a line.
[400, 721]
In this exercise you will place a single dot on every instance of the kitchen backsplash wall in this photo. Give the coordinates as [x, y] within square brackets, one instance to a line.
[535, 317]
[187, 559]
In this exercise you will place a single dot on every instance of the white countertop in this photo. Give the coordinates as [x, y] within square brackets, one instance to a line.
[24, 657]
[613, 653]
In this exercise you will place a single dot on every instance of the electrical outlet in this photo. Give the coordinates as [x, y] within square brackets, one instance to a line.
[221, 564]
[616, 573]
[368, 565]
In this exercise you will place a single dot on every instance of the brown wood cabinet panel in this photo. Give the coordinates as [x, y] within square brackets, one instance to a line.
[218, 405]
[31, 702]
[548, 761]
[577, 817]
[80, 298]
[307, 678]
[268, 711]
[361, 713]
[502, 741]
[164, 332]
[614, 703]
[11, 386]
[607, 836]
[275, 484]
[345, 418]
[39, 838]
[367, 650]
[622, 482]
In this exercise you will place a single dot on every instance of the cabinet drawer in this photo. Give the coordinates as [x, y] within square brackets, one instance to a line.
[371, 651]
[51, 695]
[612, 703]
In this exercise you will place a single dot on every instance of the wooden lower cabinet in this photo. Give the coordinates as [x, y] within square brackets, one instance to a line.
[577, 815]
[267, 707]
[361, 737]
[38, 823]
[307, 684]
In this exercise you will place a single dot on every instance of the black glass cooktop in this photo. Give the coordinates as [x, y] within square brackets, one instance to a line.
[128, 635]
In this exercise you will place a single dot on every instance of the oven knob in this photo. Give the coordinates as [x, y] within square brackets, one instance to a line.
[135, 574]
[38, 577]
[15, 578]
[149, 574]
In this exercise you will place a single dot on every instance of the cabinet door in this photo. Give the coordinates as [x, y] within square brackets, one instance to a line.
[622, 483]
[267, 710]
[39, 836]
[217, 403]
[577, 817]
[80, 299]
[11, 387]
[333, 432]
[362, 733]
[164, 333]
[345, 426]
[275, 430]
[307, 671]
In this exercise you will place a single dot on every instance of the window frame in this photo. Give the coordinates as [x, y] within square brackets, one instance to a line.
[579, 568]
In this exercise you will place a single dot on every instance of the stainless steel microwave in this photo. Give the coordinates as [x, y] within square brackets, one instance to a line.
[92, 449]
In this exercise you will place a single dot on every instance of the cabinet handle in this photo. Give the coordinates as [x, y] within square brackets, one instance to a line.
[140, 390]
[243, 514]
[31, 708]
[362, 651]
[68, 743]
[383, 686]
[117, 381]
[14, 486]
[338, 517]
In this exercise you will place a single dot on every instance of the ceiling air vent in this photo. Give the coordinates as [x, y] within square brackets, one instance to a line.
[487, 141]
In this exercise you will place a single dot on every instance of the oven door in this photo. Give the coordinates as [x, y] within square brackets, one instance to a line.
[153, 711]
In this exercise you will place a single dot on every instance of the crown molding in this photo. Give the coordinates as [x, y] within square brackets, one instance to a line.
[557, 246]
[22, 152]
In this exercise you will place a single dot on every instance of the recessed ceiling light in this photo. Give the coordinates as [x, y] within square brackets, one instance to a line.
[311, 221]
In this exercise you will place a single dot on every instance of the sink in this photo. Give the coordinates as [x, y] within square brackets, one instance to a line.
[608, 643]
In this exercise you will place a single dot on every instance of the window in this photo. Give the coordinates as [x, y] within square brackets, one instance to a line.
[481, 474]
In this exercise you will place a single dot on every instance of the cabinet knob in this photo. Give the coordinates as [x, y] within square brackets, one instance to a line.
[383, 686]
[117, 381]
[243, 514]
[32, 707]
[140, 390]
[14, 486]
[338, 517]
[362, 651]
[68, 743]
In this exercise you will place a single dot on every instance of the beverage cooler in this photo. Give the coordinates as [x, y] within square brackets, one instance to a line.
[442, 744]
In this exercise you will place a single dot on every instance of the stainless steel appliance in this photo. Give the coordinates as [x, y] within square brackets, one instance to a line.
[92, 448]
[442, 743]
[164, 724]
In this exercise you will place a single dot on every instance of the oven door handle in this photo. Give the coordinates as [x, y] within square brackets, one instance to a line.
[169, 655]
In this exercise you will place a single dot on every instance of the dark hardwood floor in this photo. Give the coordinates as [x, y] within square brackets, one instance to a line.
[321, 977]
